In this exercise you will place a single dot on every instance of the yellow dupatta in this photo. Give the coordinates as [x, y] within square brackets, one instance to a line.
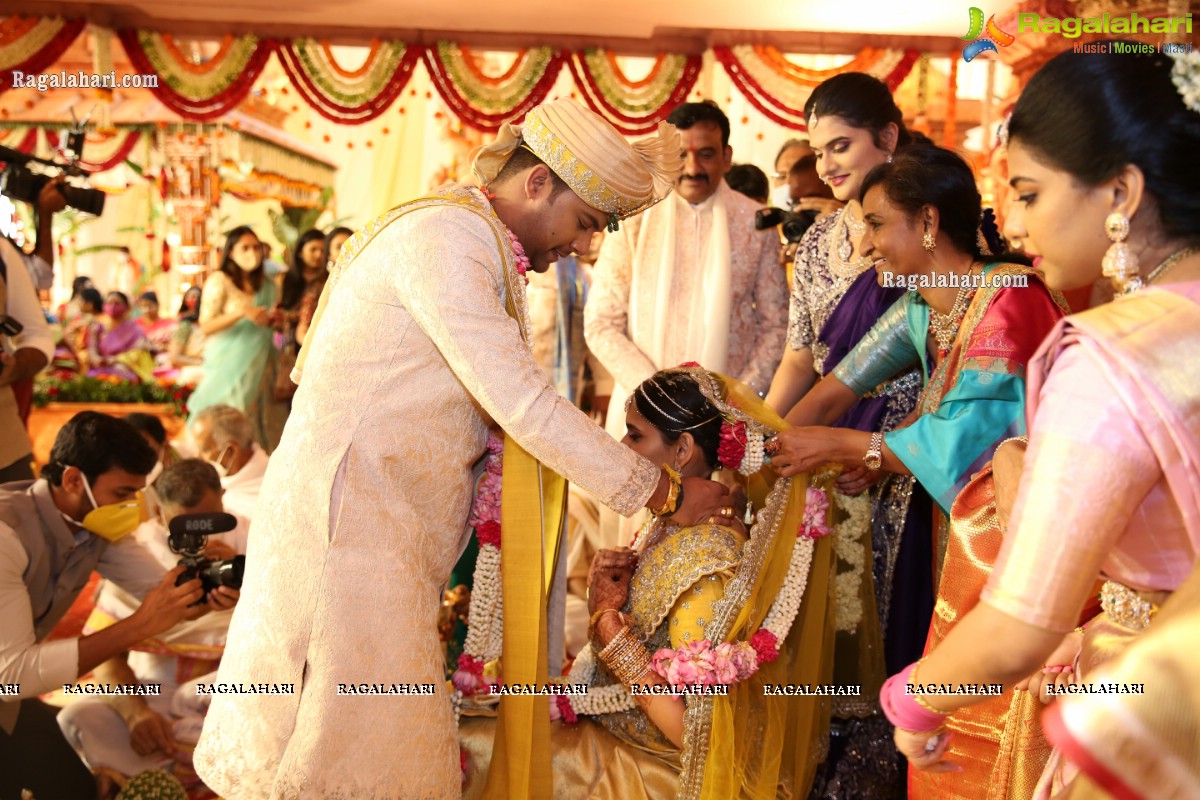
[749, 744]
[534, 499]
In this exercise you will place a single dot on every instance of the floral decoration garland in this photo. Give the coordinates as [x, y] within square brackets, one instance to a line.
[195, 93]
[49, 388]
[780, 92]
[741, 448]
[32, 44]
[633, 107]
[485, 621]
[343, 96]
[486, 105]
[698, 663]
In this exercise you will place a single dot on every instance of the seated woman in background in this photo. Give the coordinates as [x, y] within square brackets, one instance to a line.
[71, 309]
[698, 605]
[83, 328]
[121, 350]
[158, 329]
[183, 360]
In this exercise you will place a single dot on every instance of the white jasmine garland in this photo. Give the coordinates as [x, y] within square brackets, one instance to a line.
[1186, 77]
[787, 603]
[752, 461]
[598, 700]
[485, 620]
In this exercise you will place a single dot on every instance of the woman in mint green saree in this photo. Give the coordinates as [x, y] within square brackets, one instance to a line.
[240, 359]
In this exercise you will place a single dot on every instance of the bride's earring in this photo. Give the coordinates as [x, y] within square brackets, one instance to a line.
[1120, 264]
[927, 241]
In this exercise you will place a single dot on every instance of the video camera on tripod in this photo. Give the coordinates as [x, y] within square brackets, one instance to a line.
[24, 175]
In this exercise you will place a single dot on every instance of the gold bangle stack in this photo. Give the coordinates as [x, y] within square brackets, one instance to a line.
[674, 494]
[626, 657]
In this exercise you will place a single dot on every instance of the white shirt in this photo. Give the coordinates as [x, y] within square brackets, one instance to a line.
[241, 498]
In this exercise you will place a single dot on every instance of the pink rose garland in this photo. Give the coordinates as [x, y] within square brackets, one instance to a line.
[698, 663]
[816, 514]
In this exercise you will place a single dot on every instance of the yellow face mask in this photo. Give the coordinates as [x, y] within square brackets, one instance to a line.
[115, 520]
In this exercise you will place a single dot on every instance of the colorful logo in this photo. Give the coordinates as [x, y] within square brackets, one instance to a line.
[995, 36]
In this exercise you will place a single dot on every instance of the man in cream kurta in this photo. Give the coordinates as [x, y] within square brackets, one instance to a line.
[366, 499]
[689, 280]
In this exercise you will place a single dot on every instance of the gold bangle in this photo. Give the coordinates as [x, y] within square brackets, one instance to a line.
[626, 658]
[1021, 439]
[920, 699]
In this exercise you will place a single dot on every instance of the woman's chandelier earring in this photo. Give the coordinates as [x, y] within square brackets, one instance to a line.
[1120, 264]
[927, 241]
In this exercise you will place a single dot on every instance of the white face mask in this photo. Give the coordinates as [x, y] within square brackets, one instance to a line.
[781, 196]
[219, 462]
[248, 261]
[154, 473]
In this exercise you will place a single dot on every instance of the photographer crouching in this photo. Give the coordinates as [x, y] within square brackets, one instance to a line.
[53, 532]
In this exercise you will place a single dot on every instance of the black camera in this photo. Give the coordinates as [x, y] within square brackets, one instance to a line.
[188, 537]
[24, 176]
[792, 224]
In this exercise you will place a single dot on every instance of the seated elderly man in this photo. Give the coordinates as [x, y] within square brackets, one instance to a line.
[224, 437]
[53, 532]
[130, 734]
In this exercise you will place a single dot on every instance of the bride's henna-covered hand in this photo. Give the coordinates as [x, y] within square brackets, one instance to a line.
[608, 578]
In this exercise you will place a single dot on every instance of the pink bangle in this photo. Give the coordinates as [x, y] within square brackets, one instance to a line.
[902, 709]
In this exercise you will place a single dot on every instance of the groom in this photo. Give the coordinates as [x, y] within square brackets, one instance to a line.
[419, 344]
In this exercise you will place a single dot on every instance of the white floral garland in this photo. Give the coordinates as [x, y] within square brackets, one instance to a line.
[485, 619]
[783, 611]
[1186, 77]
[598, 700]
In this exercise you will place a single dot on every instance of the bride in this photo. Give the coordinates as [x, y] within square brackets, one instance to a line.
[693, 628]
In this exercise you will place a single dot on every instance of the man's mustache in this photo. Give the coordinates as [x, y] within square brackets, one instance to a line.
[700, 177]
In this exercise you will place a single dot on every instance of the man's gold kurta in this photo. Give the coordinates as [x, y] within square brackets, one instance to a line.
[365, 502]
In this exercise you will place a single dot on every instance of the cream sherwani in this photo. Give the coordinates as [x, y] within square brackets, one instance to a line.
[363, 507]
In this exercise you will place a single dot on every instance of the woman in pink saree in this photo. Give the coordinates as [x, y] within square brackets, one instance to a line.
[1102, 157]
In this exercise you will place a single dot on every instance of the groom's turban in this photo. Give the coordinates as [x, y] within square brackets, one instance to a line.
[596, 162]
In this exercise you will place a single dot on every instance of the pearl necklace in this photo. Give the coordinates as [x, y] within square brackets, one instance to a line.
[944, 327]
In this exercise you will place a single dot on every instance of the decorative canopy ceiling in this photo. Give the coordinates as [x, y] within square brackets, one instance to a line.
[668, 23]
